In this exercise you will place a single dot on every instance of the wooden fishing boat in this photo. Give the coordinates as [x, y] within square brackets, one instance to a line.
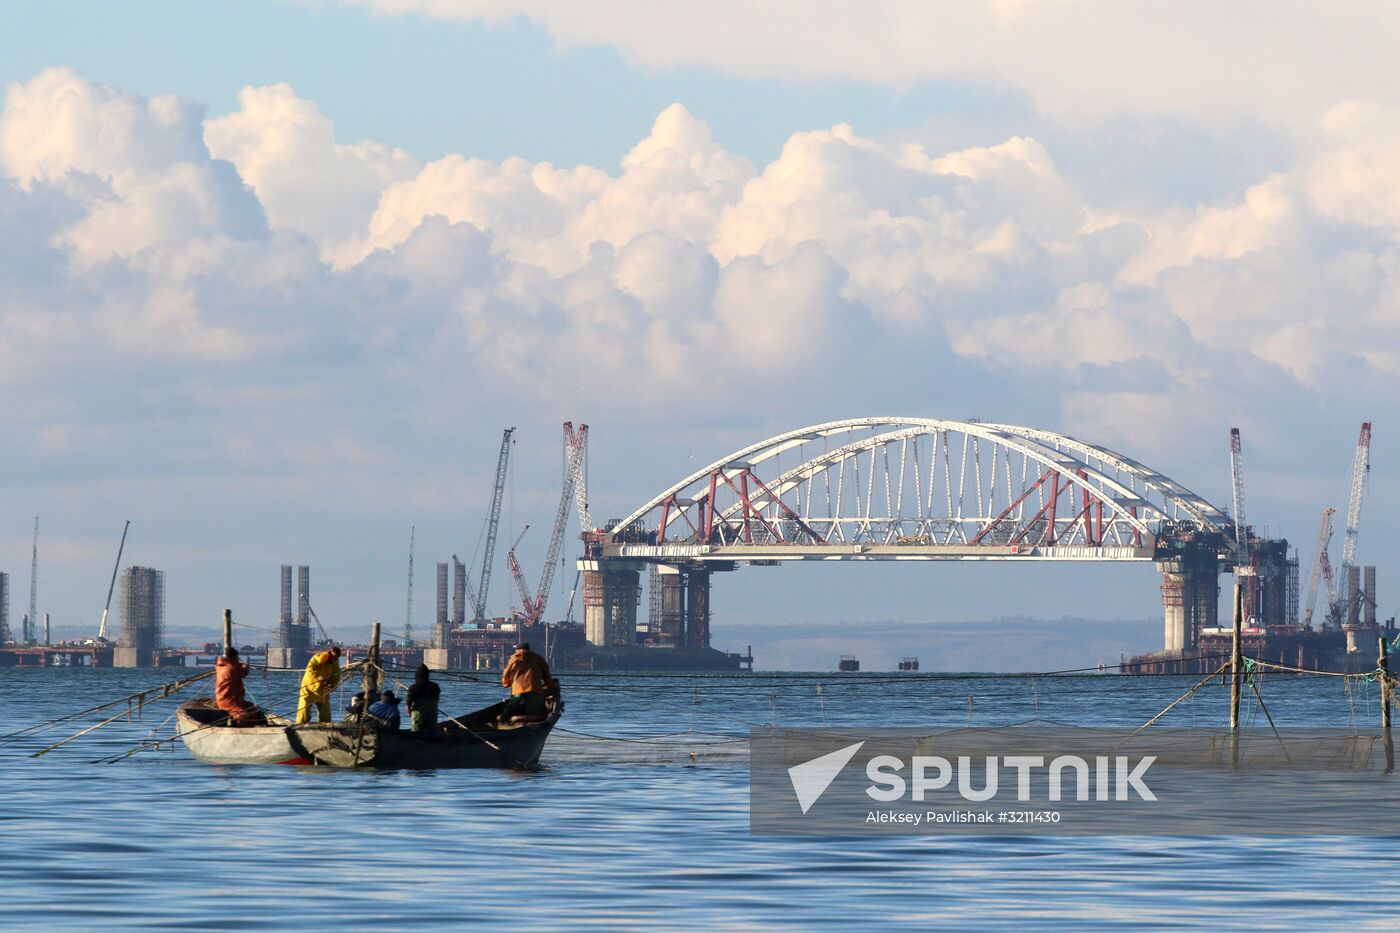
[475, 740]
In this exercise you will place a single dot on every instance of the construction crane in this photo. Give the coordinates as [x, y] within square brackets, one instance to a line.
[1334, 602]
[408, 612]
[467, 581]
[574, 489]
[1342, 607]
[569, 616]
[1247, 566]
[493, 523]
[1237, 488]
[577, 477]
[1319, 566]
[1360, 470]
[102, 626]
[325, 637]
[31, 621]
[526, 602]
[575, 448]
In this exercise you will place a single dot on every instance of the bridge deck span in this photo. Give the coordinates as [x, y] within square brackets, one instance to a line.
[708, 553]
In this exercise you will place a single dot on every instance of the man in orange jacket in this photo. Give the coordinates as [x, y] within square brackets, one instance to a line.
[321, 678]
[228, 690]
[527, 675]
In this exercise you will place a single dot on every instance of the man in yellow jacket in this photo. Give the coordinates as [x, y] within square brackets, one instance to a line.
[322, 676]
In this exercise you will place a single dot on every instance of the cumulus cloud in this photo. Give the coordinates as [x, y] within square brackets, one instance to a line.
[285, 150]
[245, 293]
[1195, 58]
[138, 165]
[687, 252]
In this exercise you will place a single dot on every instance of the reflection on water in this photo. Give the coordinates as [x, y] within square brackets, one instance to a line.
[618, 835]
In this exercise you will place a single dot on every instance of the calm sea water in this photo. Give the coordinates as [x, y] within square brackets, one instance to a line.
[624, 834]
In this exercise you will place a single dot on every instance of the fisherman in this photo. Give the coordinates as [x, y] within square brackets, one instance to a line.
[357, 703]
[228, 690]
[385, 713]
[527, 675]
[423, 701]
[321, 677]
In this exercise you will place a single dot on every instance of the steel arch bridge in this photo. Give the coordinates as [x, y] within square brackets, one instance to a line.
[897, 488]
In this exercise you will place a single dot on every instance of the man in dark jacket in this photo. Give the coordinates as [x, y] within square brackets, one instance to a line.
[423, 697]
[385, 713]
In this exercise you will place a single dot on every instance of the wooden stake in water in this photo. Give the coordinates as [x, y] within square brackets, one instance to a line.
[1236, 675]
[1236, 662]
[372, 668]
[228, 630]
[1383, 662]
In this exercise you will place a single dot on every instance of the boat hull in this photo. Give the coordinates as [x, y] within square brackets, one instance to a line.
[256, 745]
[471, 742]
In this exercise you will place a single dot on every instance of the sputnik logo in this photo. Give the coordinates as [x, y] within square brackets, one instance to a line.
[811, 778]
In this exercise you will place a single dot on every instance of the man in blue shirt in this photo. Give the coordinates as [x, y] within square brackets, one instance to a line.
[385, 712]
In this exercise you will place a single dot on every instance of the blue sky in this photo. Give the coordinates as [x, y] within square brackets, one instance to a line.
[284, 314]
[433, 87]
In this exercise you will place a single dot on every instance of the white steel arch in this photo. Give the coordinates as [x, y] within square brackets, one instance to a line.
[892, 481]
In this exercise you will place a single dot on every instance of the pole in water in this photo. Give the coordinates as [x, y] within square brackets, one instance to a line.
[1236, 665]
[228, 630]
[1236, 662]
[372, 668]
[1383, 662]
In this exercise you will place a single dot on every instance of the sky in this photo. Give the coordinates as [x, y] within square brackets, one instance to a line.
[274, 276]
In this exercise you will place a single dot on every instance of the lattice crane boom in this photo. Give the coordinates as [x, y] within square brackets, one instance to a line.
[578, 476]
[31, 621]
[1237, 487]
[1334, 606]
[1360, 470]
[526, 603]
[102, 626]
[493, 525]
[467, 585]
[575, 446]
[1320, 562]
[408, 610]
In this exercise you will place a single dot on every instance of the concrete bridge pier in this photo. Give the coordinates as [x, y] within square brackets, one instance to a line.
[697, 608]
[1190, 596]
[611, 592]
[684, 620]
[669, 627]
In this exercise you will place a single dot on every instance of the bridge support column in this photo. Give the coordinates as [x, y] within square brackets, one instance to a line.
[697, 608]
[669, 629]
[1190, 594]
[610, 597]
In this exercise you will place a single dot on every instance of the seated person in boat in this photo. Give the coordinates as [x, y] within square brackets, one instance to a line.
[422, 698]
[229, 672]
[527, 675]
[357, 703]
[385, 713]
[322, 676]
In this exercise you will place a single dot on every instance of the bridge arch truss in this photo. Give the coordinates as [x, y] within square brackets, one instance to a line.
[915, 488]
